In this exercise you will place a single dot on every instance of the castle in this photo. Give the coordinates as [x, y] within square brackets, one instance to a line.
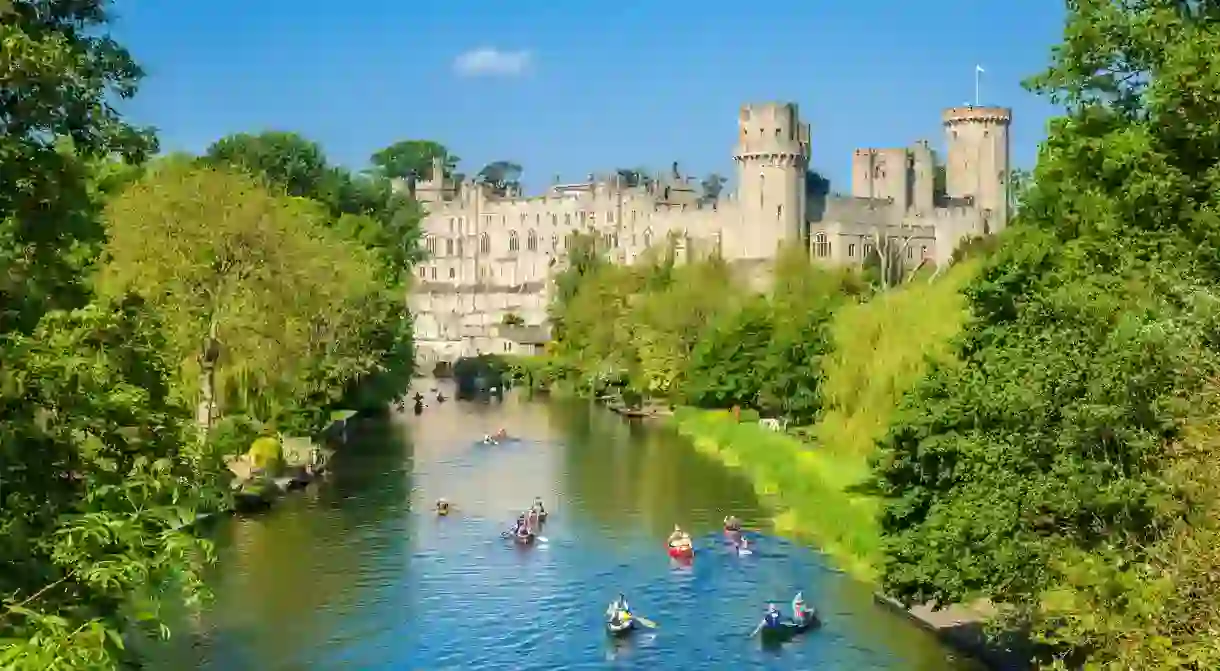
[491, 254]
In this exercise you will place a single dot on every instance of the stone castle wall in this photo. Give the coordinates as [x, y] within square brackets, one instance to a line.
[491, 255]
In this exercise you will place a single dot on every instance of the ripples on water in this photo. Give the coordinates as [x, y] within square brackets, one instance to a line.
[358, 573]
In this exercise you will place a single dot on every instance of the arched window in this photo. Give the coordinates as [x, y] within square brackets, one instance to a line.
[821, 245]
[484, 244]
[531, 241]
[608, 240]
[449, 246]
[459, 246]
[430, 245]
[647, 238]
[514, 245]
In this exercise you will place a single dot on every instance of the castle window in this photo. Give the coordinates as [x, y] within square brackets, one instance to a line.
[459, 246]
[648, 238]
[449, 247]
[609, 217]
[452, 225]
[779, 211]
[879, 172]
[554, 219]
[423, 273]
[923, 251]
[584, 218]
[430, 245]
[537, 219]
[522, 218]
[821, 245]
[554, 242]
[433, 272]
[851, 250]
[607, 241]
[484, 244]
[910, 252]
[531, 241]
[452, 273]
[514, 244]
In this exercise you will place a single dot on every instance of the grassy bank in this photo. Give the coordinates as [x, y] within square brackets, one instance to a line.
[881, 349]
[810, 489]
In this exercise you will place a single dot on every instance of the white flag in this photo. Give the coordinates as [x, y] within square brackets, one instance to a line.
[979, 68]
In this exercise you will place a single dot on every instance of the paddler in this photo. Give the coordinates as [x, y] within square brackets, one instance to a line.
[731, 523]
[442, 506]
[678, 537]
[799, 613]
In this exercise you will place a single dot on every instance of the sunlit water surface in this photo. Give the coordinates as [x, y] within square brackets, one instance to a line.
[359, 573]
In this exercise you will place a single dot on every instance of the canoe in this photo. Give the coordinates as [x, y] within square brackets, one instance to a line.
[621, 628]
[787, 629]
[442, 511]
[542, 516]
[681, 551]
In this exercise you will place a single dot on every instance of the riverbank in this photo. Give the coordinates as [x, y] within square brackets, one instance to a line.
[819, 496]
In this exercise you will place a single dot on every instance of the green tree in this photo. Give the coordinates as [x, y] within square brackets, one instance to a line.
[500, 176]
[412, 159]
[1064, 466]
[260, 277]
[712, 186]
[288, 159]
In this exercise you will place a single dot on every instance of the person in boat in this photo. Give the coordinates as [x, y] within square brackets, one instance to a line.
[800, 614]
[440, 398]
[419, 398]
[678, 538]
[500, 435]
[519, 527]
[772, 616]
[532, 520]
[731, 523]
[442, 506]
[538, 506]
[617, 608]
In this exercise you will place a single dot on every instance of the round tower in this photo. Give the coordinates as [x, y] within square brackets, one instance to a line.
[978, 162]
[772, 154]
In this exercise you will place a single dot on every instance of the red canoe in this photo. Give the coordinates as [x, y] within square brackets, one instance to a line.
[683, 552]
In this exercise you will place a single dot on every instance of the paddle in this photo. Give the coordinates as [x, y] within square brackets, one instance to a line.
[757, 629]
[644, 621]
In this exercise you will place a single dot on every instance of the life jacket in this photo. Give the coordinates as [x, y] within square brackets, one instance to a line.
[772, 618]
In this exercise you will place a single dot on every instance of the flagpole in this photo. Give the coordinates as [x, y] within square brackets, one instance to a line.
[976, 86]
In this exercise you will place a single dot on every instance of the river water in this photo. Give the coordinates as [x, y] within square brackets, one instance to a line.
[358, 573]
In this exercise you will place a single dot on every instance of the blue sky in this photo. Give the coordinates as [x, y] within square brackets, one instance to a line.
[604, 84]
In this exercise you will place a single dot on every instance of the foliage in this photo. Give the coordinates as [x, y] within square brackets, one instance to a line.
[687, 332]
[365, 208]
[880, 350]
[500, 176]
[265, 453]
[92, 479]
[289, 299]
[412, 160]
[1064, 468]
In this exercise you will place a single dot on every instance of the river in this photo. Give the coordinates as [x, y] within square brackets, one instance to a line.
[358, 573]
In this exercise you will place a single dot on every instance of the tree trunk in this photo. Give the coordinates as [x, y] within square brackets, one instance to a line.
[205, 414]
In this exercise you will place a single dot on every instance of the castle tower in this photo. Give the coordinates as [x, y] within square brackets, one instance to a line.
[772, 154]
[978, 161]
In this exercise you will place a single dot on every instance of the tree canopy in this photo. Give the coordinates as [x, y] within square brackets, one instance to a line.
[1065, 467]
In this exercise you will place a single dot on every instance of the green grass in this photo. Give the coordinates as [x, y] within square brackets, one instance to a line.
[882, 348]
[806, 487]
